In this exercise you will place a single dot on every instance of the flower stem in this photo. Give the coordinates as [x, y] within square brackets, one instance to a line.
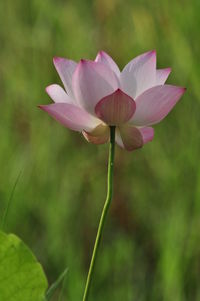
[104, 212]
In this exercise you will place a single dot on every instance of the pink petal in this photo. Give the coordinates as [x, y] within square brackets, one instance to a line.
[139, 74]
[58, 94]
[65, 69]
[134, 138]
[106, 59]
[162, 75]
[154, 104]
[147, 134]
[91, 82]
[99, 135]
[71, 116]
[116, 108]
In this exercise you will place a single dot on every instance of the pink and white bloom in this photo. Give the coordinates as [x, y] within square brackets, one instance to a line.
[97, 95]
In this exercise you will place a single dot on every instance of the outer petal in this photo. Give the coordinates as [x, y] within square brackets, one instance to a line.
[147, 134]
[162, 75]
[71, 116]
[91, 82]
[104, 58]
[134, 138]
[139, 74]
[99, 135]
[58, 94]
[65, 69]
[116, 108]
[154, 104]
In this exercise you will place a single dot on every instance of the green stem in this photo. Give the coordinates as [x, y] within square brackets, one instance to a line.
[104, 212]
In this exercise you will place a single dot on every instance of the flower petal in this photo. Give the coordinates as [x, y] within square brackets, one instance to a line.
[139, 74]
[134, 138]
[65, 69]
[99, 135]
[91, 82]
[106, 59]
[162, 75]
[118, 138]
[154, 104]
[147, 134]
[71, 116]
[58, 94]
[116, 108]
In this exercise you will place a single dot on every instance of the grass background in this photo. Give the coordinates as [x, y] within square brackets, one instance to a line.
[151, 248]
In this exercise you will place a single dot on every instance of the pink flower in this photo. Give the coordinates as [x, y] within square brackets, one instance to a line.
[97, 95]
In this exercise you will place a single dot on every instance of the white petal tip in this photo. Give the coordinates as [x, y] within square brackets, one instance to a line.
[50, 88]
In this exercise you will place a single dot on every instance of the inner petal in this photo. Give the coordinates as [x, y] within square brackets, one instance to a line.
[139, 74]
[116, 108]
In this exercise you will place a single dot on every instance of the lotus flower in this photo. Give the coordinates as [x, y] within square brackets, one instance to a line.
[97, 95]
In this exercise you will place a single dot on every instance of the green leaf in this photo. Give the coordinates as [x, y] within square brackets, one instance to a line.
[21, 276]
[55, 285]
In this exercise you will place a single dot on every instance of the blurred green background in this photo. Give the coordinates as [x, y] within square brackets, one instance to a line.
[151, 245]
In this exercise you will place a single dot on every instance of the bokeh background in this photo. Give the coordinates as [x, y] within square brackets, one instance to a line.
[151, 244]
